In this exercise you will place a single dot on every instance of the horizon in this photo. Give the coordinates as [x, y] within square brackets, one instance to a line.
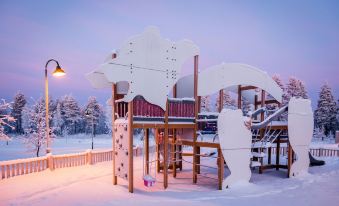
[80, 34]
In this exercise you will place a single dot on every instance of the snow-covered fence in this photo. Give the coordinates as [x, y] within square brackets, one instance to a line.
[22, 166]
[317, 152]
[17, 167]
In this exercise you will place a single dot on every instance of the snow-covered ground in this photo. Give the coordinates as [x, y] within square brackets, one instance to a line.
[92, 185]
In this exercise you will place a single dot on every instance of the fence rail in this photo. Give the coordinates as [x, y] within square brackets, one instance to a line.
[317, 152]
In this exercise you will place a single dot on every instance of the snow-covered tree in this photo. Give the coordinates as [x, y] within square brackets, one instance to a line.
[17, 107]
[246, 106]
[108, 115]
[205, 104]
[58, 120]
[295, 88]
[34, 124]
[5, 120]
[325, 116]
[228, 102]
[71, 114]
[92, 111]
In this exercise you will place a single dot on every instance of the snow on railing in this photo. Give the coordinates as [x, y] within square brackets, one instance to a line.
[18, 167]
[317, 152]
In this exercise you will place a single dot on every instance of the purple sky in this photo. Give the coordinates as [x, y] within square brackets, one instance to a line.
[290, 38]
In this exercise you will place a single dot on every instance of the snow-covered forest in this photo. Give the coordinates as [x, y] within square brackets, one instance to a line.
[26, 116]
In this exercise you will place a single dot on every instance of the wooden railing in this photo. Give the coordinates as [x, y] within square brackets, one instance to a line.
[18, 167]
[317, 152]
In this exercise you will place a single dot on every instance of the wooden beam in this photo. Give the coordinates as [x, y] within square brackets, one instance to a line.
[247, 88]
[221, 100]
[270, 101]
[114, 92]
[130, 146]
[165, 168]
[239, 96]
[175, 91]
[197, 108]
[146, 152]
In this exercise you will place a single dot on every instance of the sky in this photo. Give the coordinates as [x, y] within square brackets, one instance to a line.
[289, 38]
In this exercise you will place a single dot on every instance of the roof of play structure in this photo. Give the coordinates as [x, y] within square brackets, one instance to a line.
[150, 65]
[230, 75]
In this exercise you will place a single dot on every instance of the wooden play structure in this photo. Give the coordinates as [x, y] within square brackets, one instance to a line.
[148, 93]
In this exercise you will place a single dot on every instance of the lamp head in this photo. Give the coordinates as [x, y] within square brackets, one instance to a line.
[58, 72]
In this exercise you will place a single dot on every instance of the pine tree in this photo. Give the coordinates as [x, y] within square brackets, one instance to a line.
[92, 111]
[5, 120]
[295, 88]
[205, 104]
[18, 105]
[326, 113]
[71, 114]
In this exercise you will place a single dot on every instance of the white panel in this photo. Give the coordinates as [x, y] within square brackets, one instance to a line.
[300, 130]
[185, 87]
[149, 63]
[235, 142]
[221, 76]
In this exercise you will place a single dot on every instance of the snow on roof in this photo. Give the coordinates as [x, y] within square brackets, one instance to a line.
[149, 63]
[229, 75]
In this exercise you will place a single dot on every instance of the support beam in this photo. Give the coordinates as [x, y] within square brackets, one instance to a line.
[114, 92]
[197, 108]
[165, 166]
[146, 150]
[247, 88]
[239, 96]
[221, 100]
[130, 146]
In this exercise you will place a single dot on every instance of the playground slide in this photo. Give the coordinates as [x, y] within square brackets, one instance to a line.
[268, 119]
[313, 161]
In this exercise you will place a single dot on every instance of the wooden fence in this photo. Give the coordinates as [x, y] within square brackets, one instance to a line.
[17, 167]
[316, 152]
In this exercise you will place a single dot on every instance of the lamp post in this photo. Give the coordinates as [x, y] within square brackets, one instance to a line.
[88, 114]
[57, 72]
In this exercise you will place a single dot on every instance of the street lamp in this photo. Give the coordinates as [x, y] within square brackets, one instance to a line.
[88, 113]
[58, 72]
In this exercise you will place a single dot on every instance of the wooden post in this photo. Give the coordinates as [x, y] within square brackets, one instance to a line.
[220, 169]
[277, 161]
[146, 152]
[239, 96]
[156, 134]
[174, 154]
[262, 117]
[50, 162]
[130, 146]
[221, 100]
[197, 105]
[114, 93]
[289, 159]
[165, 167]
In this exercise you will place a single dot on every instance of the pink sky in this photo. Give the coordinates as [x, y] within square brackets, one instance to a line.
[288, 38]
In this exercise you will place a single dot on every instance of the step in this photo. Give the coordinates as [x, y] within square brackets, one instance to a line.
[255, 164]
[261, 145]
[258, 154]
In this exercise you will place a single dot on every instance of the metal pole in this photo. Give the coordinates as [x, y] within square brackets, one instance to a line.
[48, 149]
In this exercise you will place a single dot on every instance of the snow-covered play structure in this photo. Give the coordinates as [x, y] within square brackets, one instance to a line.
[149, 92]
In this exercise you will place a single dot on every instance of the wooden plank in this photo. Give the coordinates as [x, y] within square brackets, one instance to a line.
[165, 169]
[114, 92]
[239, 97]
[130, 148]
[146, 152]
[247, 88]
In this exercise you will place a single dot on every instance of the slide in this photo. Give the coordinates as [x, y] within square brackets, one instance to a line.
[315, 162]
